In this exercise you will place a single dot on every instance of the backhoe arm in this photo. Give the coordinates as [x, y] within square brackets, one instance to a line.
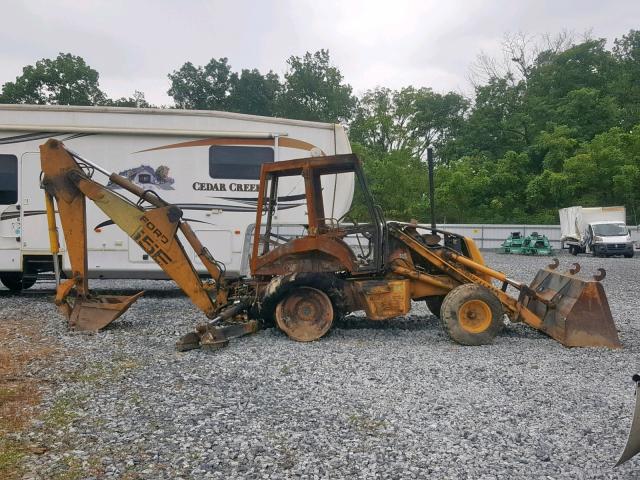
[154, 230]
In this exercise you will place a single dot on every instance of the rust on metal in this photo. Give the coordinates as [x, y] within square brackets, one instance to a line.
[95, 313]
[305, 314]
[404, 265]
[602, 273]
[384, 298]
[577, 313]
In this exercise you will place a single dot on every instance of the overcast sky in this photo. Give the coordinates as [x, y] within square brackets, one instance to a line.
[134, 44]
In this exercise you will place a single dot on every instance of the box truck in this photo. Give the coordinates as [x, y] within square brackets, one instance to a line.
[206, 162]
[600, 231]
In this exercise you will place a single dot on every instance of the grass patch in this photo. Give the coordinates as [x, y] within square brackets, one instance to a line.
[72, 468]
[21, 344]
[11, 453]
[63, 411]
[98, 372]
[365, 424]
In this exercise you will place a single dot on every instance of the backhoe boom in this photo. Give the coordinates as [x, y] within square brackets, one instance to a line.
[153, 229]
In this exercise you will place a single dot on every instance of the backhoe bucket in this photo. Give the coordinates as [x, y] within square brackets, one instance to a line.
[92, 314]
[632, 447]
[573, 311]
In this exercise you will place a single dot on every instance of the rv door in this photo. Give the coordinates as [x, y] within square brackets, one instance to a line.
[35, 238]
[9, 215]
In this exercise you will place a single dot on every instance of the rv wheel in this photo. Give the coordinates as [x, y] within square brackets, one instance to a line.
[15, 281]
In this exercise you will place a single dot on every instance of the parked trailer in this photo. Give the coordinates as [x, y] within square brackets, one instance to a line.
[206, 162]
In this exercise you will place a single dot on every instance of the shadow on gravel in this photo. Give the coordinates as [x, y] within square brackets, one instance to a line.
[354, 322]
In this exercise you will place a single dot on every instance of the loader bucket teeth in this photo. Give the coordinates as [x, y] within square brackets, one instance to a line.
[632, 447]
[573, 311]
[94, 313]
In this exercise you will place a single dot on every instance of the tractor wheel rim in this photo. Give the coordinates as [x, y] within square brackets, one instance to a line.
[306, 314]
[475, 316]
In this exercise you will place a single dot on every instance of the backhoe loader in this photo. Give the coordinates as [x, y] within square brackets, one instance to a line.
[303, 277]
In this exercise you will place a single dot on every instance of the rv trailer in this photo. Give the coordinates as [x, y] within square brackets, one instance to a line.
[206, 162]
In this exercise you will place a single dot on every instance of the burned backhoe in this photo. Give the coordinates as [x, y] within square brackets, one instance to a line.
[304, 276]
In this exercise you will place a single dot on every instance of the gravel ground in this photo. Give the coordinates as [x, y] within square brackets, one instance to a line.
[393, 399]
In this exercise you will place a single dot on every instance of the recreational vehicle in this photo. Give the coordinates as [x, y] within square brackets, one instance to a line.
[206, 162]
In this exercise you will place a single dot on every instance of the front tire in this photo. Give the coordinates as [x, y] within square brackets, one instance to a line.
[472, 315]
[16, 281]
[629, 255]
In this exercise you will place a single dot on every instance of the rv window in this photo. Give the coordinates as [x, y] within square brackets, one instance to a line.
[8, 179]
[242, 163]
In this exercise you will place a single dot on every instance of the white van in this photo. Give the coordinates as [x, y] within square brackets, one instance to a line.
[206, 162]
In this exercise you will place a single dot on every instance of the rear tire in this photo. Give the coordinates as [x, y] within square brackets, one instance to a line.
[472, 315]
[305, 314]
[573, 250]
[16, 282]
[629, 255]
[434, 304]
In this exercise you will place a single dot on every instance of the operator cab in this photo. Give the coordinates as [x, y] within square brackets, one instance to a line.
[354, 242]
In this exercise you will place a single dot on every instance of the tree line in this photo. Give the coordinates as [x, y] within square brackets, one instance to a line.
[554, 123]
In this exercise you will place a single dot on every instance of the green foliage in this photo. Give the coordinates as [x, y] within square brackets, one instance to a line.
[499, 121]
[407, 119]
[559, 126]
[254, 93]
[65, 80]
[314, 90]
[397, 181]
[563, 134]
[202, 88]
[137, 101]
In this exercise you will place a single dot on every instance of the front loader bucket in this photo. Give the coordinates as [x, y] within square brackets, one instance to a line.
[573, 311]
[94, 313]
[633, 442]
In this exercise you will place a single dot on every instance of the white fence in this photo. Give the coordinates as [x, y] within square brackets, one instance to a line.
[490, 236]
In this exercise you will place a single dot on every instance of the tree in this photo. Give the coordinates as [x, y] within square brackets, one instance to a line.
[65, 80]
[438, 120]
[588, 112]
[462, 190]
[162, 173]
[314, 90]
[202, 88]
[382, 120]
[398, 182]
[137, 101]
[500, 120]
[254, 93]
[407, 119]
[553, 147]
[626, 86]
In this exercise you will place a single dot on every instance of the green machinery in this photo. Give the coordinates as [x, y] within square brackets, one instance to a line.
[513, 244]
[534, 244]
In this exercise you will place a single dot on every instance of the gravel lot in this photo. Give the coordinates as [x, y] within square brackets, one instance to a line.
[394, 399]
